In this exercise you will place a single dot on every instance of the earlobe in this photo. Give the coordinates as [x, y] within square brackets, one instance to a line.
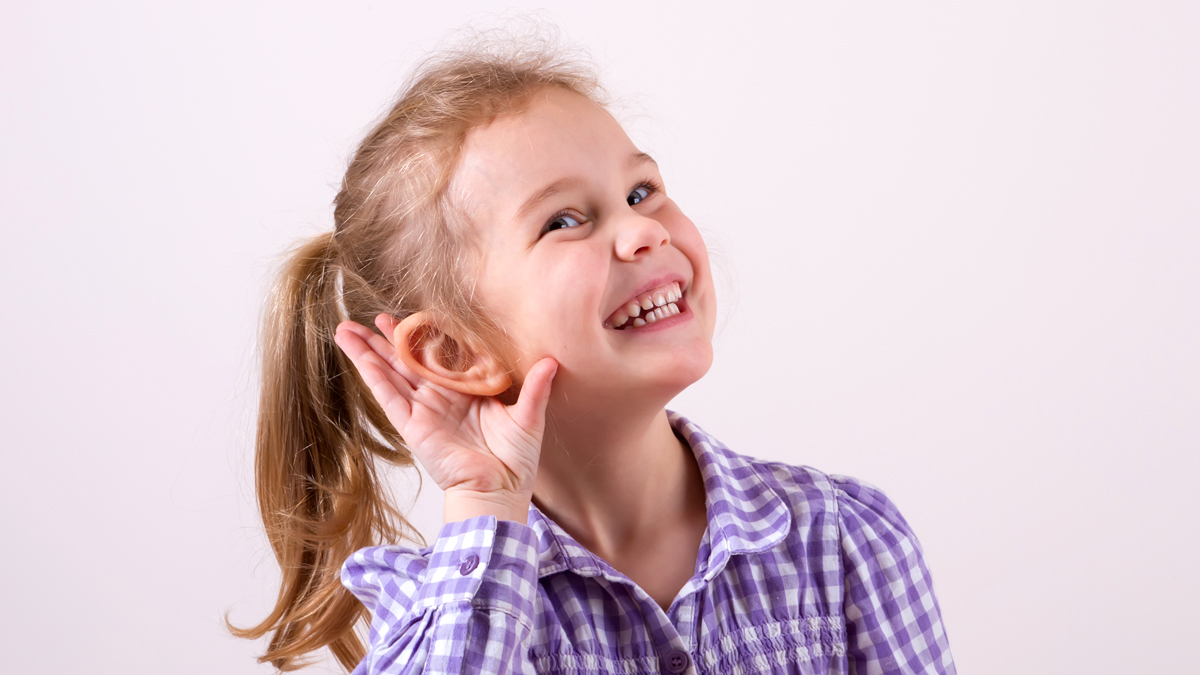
[424, 344]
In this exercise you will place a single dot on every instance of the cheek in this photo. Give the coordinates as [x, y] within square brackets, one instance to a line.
[686, 237]
[556, 302]
[689, 241]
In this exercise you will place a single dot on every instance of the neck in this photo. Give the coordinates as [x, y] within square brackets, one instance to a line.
[618, 481]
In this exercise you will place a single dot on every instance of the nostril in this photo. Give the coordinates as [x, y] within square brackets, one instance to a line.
[641, 234]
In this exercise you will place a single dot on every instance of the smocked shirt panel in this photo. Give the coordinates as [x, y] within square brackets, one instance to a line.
[798, 572]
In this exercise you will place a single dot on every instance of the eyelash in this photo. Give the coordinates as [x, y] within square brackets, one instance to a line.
[649, 186]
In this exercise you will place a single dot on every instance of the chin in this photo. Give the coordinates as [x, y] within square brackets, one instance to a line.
[684, 369]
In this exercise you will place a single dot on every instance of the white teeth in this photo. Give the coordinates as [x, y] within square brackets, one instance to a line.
[655, 306]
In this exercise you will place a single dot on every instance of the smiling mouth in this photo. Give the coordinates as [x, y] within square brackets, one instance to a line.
[647, 308]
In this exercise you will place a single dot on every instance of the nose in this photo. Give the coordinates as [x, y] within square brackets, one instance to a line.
[638, 235]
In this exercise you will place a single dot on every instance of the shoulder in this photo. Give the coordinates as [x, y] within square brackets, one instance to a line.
[811, 490]
[812, 498]
[862, 507]
[803, 488]
[859, 509]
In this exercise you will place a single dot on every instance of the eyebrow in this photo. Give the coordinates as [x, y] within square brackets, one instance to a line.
[560, 185]
[638, 158]
[564, 184]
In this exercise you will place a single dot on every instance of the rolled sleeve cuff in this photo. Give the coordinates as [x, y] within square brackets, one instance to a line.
[487, 562]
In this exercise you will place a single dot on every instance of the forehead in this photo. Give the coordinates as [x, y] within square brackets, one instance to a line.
[559, 135]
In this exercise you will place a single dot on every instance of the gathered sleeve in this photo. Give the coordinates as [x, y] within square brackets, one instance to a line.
[464, 606]
[893, 624]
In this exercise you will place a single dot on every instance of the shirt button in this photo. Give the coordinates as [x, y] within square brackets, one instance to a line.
[468, 565]
[677, 661]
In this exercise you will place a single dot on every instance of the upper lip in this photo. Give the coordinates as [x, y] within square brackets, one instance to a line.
[649, 285]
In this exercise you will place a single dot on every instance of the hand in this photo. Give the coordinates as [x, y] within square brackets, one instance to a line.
[482, 453]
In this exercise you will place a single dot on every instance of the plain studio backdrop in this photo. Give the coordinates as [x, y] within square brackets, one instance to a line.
[959, 244]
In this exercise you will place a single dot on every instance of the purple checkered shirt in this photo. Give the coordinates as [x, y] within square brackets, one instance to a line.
[798, 572]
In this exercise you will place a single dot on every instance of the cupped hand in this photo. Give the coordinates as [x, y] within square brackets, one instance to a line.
[481, 452]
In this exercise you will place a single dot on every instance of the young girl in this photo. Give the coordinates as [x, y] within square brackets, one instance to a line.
[539, 299]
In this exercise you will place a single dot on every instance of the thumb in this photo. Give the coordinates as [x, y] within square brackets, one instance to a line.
[529, 412]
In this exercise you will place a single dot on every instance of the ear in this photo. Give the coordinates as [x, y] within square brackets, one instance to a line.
[424, 342]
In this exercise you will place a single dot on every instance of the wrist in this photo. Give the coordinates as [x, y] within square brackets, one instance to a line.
[464, 504]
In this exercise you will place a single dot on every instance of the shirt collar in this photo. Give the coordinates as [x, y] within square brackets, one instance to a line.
[744, 514]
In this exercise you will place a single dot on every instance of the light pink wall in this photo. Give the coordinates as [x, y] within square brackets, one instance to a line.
[961, 244]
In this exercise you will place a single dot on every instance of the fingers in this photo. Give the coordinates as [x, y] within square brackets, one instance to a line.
[387, 324]
[390, 388]
[530, 409]
[356, 341]
[363, 354]
[382, 346]
[395, 405]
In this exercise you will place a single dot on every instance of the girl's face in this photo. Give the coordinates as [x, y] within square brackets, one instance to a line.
[576, 227]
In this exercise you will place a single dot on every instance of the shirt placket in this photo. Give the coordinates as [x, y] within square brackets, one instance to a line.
[673, 643]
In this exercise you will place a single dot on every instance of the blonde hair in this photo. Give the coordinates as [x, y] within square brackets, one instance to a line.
[398, 246]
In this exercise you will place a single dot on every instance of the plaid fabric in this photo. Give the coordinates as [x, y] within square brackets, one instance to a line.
[798, 572]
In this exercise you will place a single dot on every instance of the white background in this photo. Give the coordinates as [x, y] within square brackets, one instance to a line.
[960, 245]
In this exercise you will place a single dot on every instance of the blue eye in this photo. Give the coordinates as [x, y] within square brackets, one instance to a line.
[637, 195]
[563, 222]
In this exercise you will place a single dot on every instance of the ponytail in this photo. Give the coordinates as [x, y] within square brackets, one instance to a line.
[400, 244]
[319, 430]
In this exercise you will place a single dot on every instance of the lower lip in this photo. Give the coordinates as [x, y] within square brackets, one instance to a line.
[663, 324]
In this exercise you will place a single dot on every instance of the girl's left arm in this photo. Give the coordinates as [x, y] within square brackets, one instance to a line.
[893, 623]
